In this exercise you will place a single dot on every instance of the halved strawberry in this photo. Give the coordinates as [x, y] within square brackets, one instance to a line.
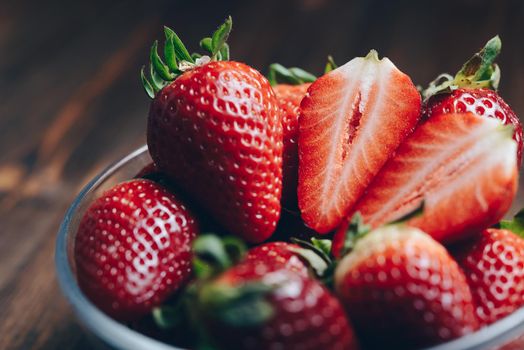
[462, 166]
[351, 121]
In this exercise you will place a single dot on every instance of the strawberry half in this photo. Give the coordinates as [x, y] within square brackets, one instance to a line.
[351, 121]
[473, 89]
[462, 166]
[402, 290]
[215, 130]
[493, 264]
[133, 248]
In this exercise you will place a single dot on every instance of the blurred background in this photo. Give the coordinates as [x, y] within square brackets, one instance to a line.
[71, 101]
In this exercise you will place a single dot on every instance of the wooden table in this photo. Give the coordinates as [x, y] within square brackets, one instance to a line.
[71, 101]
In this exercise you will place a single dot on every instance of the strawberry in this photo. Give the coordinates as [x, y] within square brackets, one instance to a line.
[473, 89]
[493, 264]
[215, 130]
[463, 167]
[133, 248]
[402, 290]
[351, 121]
[290, 86]
[289, 98]
[252, 306]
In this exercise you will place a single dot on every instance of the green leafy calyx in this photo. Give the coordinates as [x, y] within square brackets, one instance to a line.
[213, 255]
[237, 306]
[330, 65]
[417, 211]
[480, 71]
[516, 225]
[356, 230]
[278, 74]
[177, 59]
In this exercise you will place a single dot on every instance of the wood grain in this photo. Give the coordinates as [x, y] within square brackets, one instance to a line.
[71, 101]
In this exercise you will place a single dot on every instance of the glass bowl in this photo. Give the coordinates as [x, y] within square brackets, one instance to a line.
[506, 334]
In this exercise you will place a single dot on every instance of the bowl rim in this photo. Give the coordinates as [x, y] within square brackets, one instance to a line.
[108, 330]
[120, 336]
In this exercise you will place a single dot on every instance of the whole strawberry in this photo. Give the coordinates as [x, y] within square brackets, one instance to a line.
[493, 264]
[248, 307]
[133, 248]
[402, 290]
[290, 86]
[473, 89]
[215, 129]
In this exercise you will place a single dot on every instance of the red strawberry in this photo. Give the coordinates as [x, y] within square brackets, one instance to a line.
[462, 166]
[473, 90]
[402, 290]
[494, 267]
[251, 306]
[351, 121]
[290, 86]
[133, 248]
[289, 98]
[216, 131]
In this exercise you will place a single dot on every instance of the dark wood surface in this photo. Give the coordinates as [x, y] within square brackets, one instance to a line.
[71, 101]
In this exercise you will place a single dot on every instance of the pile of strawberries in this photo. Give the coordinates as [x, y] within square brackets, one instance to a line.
[352, 211]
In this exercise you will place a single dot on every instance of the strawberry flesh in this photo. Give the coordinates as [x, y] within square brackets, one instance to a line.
[462, 166]
[351, 121]
[483, 102]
